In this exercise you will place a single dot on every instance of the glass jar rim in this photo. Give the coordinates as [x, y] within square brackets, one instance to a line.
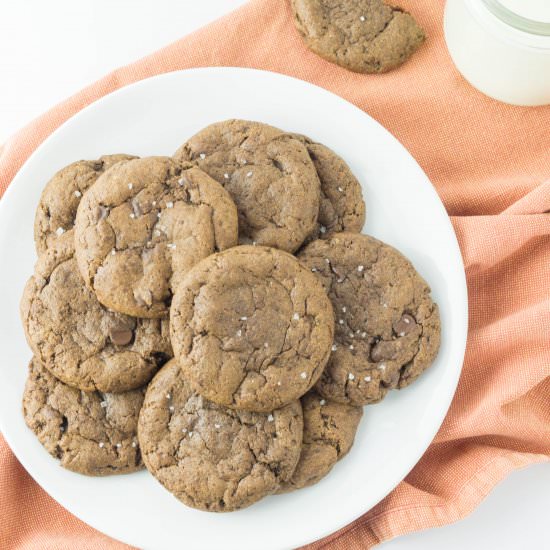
[507, 16]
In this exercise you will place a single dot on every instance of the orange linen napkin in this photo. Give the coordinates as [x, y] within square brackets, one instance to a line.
[490, 164]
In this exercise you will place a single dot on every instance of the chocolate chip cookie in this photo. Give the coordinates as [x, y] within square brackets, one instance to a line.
[82, 343]
[211, 457]
[142, 225]
[329, 431]
[89, 432]
[60, 199]
[268, 173]
[251, 328]
[365, 36]
[342, 207]
[387, 326]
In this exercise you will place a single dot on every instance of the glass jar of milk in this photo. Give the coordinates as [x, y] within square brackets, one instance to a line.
[502, 47]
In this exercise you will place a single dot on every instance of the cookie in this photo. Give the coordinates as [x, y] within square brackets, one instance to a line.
[142, 225]
[365, 36]
[251, 328]
[89, 432]
[387, 326]
[342, 207]
[269, 175]
[329, 431]
[211, 457]
[82, 343]
[58, 203]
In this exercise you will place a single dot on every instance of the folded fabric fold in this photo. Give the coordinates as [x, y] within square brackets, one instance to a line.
[490, 163]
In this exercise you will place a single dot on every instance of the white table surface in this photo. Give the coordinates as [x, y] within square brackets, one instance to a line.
[51, 49]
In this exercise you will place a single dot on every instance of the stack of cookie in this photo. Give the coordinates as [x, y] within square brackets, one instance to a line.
[216, 316]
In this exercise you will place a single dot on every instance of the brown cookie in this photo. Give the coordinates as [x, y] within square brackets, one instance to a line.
[60, 199]
[142, 225]
[211, 457]
[387, 326]
[342, 207]
[365, 36]
[251, 328]
[329, 431]
[82, 343]
[89, 432]
[269, 175]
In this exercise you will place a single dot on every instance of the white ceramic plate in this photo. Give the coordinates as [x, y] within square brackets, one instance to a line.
[154, 117]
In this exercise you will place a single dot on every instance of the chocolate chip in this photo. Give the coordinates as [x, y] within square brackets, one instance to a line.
[121, 337]
[382, 350]
[406, 324]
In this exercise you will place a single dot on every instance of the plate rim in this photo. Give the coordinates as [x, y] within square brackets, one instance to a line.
[462, 290]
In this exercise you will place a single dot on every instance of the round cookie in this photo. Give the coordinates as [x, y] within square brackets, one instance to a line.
[365, 36]
[251, 328]
[211, 457]
[142, 225]
[342, 207]
[89, 432]
[269, 175]
[77, 339]
[60, 199]
[329, 431]
[387, 326]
